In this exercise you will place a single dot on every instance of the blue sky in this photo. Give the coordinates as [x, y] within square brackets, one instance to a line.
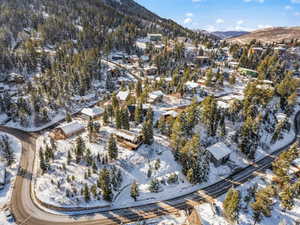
[225, 15]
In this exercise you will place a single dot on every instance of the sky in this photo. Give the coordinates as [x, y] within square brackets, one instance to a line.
[225, 15]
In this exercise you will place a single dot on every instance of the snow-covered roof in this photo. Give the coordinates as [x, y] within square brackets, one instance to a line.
[2, 174]
[92, 112]
[281, 116]
[171, 113]
[222, 105]
[156, 94]
[296, 162]
[144, 57]
[191, 85]
[219, 150]
[123, 95]
[128, 135]
[72, 127]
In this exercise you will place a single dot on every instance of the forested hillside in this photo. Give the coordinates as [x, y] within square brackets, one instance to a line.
[55, 48]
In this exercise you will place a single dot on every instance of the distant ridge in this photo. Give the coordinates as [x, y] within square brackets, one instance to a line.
[229, 34]
[267, 35]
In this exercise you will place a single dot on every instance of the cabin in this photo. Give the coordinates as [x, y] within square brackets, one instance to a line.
[127, 139]
[2, 176]
[219, 153]
[68, 130]
[295, 168]
[202, 60]
[93, 113]
[16, 78]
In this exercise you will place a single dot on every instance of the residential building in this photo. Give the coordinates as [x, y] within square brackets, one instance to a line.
[93, 113]
[67, 130]
[219, 153]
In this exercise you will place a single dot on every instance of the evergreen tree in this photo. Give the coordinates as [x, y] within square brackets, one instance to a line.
[147, 133]
[86, 192]
[105, 185]
[231, 205]
[134, 191]
[125, 119]
[138, 116]
[112, 148]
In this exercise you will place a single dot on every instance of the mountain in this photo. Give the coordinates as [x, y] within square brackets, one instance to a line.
[229, 34]
[273, 34]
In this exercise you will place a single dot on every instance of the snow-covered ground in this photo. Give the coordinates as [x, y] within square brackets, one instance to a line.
[246, 215]
[134, 166]
[11, 172]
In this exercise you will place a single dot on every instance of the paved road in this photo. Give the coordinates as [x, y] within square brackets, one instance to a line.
[28, 213]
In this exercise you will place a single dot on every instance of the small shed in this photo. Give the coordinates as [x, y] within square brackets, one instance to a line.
[94, 113]
[68, 130]
[2, 176]
[219, 152]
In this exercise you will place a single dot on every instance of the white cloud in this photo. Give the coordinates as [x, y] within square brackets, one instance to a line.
[188, 20]
[196, 0]
[240, 22]
[189, 14]
[259, 1]
[295, 1]
[288, 7]
[297, 14]
[219, 21]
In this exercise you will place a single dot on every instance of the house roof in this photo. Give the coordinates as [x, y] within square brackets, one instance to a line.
[156, 94]
[92, 112]
[2, 174]
[123, 95]
[191, 85]
[72, 127]
[219, 150]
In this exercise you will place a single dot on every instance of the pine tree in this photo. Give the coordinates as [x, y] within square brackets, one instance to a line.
[138, 116]
[138, 89]
[134, 191]
[118, 118]
[105, 184]
[231, 205]
[125, 119]
[105, 117]
[68, 118]
[86, 193]
[112, 148]
[43, 165]
[147, 133]
[149, 115]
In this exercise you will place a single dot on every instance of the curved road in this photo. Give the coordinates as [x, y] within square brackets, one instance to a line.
[28, 213]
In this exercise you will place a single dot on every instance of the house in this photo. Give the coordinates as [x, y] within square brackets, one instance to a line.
[154, 37]
[127, 139]
[295, 168]
[142, 43]
[123, 95]
[219, 153]
[16, 78]
[150, 70]
[201, 60]
[170, 114]
[2, 176]
[155, 96]
[248, 72]
[94, 113]
[67, 130]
